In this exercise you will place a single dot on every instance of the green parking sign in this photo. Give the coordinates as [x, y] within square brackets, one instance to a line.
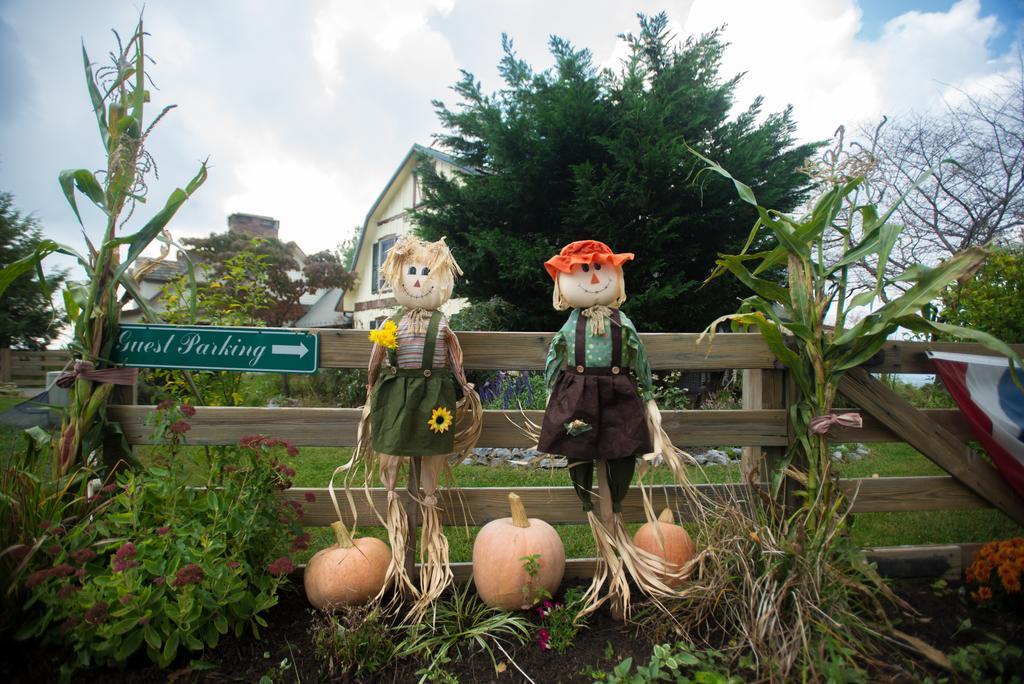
[199, 347]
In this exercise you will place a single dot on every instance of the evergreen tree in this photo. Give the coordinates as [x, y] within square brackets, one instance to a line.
[574, 153]
[28, 319]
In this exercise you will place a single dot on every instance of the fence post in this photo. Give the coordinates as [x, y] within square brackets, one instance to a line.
[5, 364]
[762, 389]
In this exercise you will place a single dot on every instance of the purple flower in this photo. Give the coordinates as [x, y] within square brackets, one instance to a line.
[83, 555]
[37, 578]
[97, 614]
[126, 599]
[62, 570]
[163, 530]
[281, 566]
[180, 427]
[190, 574]
[233, 564]
[310, 497]
[143, 621]
[67, 590]
[158, 580]
[127, 550]
[188, 410]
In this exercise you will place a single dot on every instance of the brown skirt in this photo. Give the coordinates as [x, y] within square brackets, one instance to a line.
[611, 413]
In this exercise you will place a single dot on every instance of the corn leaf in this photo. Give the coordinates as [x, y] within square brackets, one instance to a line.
[94, 96]
[765, 288]
[140, 240]
[87, 184]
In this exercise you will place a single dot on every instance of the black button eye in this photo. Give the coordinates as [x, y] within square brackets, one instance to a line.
[424, 271]
[412, 270]
[597, 267]
[586, 268]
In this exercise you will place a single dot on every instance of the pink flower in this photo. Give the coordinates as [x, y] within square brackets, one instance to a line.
[158, 580]
[292, 450]
[190, 574]
[180, 427]
[188, 410]
[163, 530]
[233, 564]
[143, 621]
[80, 573]
[126, 599]
[62, 570]
[542, 639]
[36, 578]
[83, 555]
[127, 550]
[281, 566]
[301, 542]
[97, 614]
[310, 497]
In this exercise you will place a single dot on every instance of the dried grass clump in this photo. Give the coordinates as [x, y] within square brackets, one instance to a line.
[798, 607]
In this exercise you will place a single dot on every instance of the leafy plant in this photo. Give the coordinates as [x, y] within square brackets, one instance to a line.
[678, 663]
[990, 301]
[993, 661]
[461, 623]
[561, 621]
[509, 389]
[168, 566]
[354, 642]
[118, 93]
[532, 592]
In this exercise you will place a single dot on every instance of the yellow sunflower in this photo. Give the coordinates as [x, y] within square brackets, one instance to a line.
[440, 419]
[386, 336]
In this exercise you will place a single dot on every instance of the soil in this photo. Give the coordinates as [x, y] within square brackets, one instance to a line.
[946, 621]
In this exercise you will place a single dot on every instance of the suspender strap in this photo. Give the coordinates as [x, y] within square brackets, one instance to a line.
[581, 339]
[616, 339]
[430, 343]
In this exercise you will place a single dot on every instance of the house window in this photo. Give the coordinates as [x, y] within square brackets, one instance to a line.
[377, 322]
[380, 252]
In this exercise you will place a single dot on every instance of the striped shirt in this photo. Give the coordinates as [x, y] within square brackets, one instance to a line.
[410, 344]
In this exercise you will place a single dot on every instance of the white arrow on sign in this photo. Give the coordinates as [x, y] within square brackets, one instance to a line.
[299, 349]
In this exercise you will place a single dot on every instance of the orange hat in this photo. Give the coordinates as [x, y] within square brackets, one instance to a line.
[584, 252]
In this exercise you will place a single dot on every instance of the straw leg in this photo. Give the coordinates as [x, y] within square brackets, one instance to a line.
[413, 514]
[604, 493]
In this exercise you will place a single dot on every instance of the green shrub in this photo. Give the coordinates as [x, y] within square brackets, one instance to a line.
[677, 663]
[560, 621]
[165, 566]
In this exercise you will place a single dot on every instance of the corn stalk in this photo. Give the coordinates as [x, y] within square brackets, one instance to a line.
[816, 251]
[118, 96]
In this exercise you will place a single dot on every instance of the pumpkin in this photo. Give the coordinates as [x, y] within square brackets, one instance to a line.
[499, 569]
[675, 547]
[348, 573]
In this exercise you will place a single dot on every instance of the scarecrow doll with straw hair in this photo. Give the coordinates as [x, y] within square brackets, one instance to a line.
[413, 410]
[601, 414]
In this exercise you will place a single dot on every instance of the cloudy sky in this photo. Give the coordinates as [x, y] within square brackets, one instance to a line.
[305, 108]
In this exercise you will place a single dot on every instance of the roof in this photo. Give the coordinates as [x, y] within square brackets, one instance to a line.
[324, 312]
[415, 149]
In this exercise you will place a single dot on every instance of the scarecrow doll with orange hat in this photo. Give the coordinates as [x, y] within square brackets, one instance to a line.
[412, 411]
[601, 413]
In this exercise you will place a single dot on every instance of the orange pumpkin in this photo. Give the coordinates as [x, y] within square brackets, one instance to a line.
[348, 573]
[499, 570]
[674, 547]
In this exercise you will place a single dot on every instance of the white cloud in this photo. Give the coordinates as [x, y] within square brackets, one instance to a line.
[811, 56]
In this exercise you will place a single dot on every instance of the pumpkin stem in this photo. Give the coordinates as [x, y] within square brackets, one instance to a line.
[342, 535]
[519, 518]
[666, 516]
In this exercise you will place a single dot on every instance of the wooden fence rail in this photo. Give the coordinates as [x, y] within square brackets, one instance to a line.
[761, 427]
[29, 368]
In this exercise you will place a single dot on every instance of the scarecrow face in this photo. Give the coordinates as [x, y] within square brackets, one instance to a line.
[591, 284]
[419, 288]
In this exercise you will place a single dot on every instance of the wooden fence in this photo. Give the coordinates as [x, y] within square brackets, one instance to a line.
[29, 368]
[761, 427]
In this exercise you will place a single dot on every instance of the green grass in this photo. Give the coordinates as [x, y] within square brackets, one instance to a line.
[314, 466]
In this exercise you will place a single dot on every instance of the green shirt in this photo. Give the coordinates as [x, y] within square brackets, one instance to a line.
[598, 349]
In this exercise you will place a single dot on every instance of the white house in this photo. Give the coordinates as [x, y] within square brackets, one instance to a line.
[370, 301]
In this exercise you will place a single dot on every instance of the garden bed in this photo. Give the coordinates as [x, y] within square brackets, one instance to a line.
[286, 653]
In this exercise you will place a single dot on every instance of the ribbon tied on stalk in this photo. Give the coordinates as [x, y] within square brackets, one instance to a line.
[86, 371]
[821, 424]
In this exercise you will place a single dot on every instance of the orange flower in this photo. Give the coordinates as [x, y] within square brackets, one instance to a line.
[1012, 585]
[981, 595]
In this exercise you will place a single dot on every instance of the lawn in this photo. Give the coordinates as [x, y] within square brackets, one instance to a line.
[314, 466]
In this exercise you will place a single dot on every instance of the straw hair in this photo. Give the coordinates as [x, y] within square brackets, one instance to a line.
[434, 255]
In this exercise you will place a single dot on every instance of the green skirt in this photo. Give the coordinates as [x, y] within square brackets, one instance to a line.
[401, 410]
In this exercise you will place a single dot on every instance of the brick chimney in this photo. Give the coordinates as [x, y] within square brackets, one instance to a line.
[253, 225]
